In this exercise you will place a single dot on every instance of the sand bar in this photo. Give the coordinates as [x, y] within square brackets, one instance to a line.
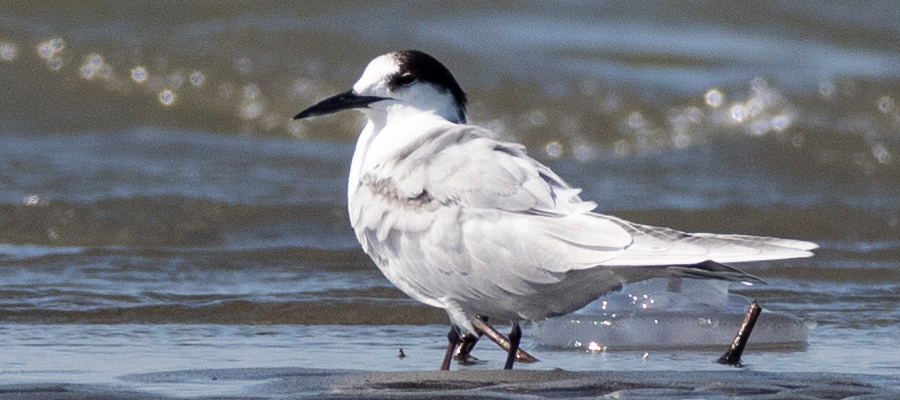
[300, 383]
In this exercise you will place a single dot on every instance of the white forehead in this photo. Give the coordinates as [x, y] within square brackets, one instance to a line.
[376, 72]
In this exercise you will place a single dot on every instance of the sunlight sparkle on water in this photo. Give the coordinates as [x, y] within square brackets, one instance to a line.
[761, 110]
[166, 97]
[759, 127]
[881, 153]
[737, 112]
[54, 64]
[251, 92]
[49, 48]
[197, 78]
[755, 106]
[595, 347]
[714, 98]
[87, 72]
[636, 120]
[31, 200]
[553, 149]
[44, 50]
[251, 110]
[780, 122]
[95, 66]
[885, 104]
[7, 52]
[758, 84]
[139, 74]
[95, 60]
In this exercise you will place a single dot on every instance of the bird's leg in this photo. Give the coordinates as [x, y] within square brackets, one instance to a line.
[514, 336]
[468, 343]
[453, 339]
[521, 355]
[732, 357]
[464, 348]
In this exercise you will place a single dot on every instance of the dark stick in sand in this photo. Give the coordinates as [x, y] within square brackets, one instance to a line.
[732, 357]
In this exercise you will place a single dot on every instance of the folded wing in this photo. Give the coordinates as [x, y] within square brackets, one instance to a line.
[513, 215]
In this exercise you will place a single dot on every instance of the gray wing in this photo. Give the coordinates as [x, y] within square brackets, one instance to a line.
[463, 204]
[458, 202]
[461, 166]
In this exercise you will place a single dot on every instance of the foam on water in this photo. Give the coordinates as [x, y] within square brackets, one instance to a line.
[26, 251]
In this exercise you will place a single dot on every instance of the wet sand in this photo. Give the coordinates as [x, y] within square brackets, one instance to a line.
[276, 383]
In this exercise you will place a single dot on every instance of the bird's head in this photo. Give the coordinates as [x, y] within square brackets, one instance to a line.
[400, 82]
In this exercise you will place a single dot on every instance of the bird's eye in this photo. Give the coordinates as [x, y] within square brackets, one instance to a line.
[404, 80]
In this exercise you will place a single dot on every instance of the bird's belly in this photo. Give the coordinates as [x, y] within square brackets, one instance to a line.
[402, 243]
[440, 257]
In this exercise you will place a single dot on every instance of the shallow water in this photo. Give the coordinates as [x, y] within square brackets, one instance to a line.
[156, 204]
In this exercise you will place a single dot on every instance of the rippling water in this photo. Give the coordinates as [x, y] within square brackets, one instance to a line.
[152, 183]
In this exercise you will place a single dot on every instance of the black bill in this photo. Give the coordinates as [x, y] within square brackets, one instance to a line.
[338, 102]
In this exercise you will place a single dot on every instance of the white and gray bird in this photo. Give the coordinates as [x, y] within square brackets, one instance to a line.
[473, 225]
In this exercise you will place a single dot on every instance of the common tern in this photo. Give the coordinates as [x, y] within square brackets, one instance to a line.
[461, 221]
